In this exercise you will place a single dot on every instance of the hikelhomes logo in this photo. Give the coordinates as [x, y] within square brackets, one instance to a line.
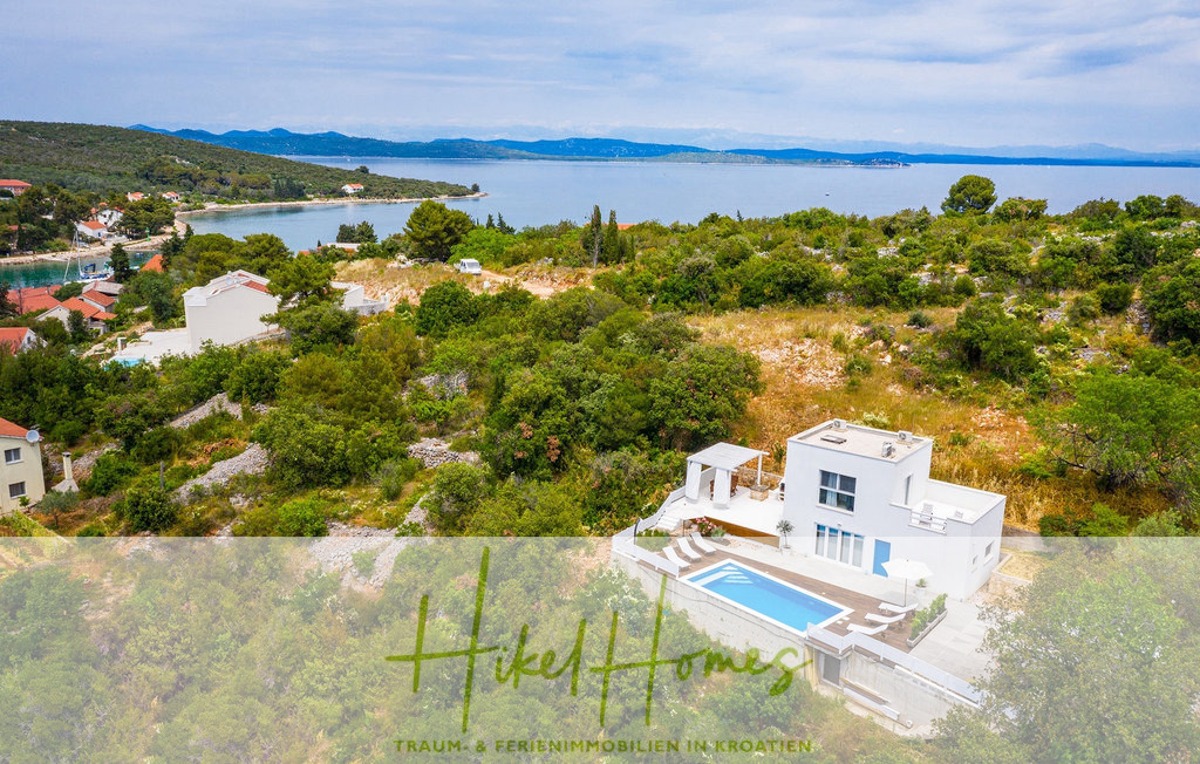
[512, 664]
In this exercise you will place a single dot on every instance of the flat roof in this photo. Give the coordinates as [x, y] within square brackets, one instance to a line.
[726, 456]
[838, 435]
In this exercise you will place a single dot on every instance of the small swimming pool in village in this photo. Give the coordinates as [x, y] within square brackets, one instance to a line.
[766, 596]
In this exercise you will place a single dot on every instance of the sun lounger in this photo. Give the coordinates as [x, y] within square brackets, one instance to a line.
[686, 548]
[888, 607]
[669, 553]
[870, 631]
[886, 620]
[701, 544]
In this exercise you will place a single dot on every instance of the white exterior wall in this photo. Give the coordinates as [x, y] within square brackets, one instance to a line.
[228, 317]
[27, 470]
[956, 554]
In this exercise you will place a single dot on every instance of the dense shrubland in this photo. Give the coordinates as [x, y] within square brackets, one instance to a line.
[582, 404]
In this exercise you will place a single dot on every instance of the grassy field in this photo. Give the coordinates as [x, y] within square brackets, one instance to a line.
[982, 446]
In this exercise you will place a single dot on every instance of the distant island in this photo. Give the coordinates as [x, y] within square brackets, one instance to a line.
[102, 159]
[281, 142]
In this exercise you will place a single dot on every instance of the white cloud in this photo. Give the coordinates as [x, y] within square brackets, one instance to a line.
[969, 73]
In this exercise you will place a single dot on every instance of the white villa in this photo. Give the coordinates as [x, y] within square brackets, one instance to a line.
[856, 523]
[229, 309]
[854, 495]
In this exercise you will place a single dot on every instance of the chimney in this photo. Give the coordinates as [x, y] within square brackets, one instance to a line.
[68, 483]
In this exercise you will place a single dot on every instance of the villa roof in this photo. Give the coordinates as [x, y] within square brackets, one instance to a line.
[11, 430]
[94, 225]
[726, 456]
[154, 264]
[10, 183]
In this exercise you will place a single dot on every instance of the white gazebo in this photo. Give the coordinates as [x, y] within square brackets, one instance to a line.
[716, 466]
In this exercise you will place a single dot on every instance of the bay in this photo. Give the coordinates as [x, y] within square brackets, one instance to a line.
[47, 272]
[535, 193]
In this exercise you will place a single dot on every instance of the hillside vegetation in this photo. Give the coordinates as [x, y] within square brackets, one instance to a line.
[114, 159]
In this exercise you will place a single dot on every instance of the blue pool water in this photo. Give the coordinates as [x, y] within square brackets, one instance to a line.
[766, 596]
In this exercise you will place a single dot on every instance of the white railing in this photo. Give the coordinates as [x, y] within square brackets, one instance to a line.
[625, 540]
[927, 671]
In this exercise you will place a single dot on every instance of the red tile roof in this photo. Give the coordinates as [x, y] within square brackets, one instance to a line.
[88, 310]
[12, 337]
[98, 298]
[94, 225]
[256, 286]
[30, 299]
[8, 429]
[154, 264]
[9, 183]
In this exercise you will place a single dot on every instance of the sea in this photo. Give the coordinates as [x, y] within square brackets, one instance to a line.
[544, 192]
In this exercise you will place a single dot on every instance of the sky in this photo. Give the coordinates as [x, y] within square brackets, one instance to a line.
[712, 73]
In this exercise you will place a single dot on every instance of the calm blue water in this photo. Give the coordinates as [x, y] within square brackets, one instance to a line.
[534, 193]
[777, 601]
[48, 272]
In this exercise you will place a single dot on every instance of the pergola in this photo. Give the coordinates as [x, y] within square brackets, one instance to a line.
[725, 459]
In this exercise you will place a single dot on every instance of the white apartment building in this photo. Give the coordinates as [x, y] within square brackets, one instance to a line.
[20, 467]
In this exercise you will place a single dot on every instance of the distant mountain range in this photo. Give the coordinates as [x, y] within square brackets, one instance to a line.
[280, 142]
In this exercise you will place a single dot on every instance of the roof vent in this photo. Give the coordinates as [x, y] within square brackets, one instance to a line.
[889, 449]
[835, 439]
[839, 424]
[905, 436]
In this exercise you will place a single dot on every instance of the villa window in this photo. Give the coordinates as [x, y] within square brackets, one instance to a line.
[16, 490]
[839, 545]
[12, 455]
[837, 491]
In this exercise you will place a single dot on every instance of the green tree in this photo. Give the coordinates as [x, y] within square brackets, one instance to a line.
[118, 260]
[1093, 663]
[433, 230]
[701, 393]
[305, 280]
[149, 507]
[970, 193]
[444, 306]
[591, 238]
[987, 338]
[458, 490]
[318, 326]
[1129, 429]
[1169, 295]
[1019, 208]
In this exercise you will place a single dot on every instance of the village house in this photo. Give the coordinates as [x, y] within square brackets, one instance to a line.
[95, 317]
[32, 299]
[154, 264]
[171, 196]
[135, 196]
[92, 229]
[21, 475]
[14, 187]
[18, 339]
[228, 310]
[352, 188]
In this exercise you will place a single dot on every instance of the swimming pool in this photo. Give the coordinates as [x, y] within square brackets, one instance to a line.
[766, 596]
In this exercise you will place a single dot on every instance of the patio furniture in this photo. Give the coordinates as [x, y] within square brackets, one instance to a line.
[870, 631]
[886, 620]
[669, 553]
[686, 548]
[701, 544]
[888, 607]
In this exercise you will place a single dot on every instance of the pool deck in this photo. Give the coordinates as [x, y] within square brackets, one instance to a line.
[895, 635]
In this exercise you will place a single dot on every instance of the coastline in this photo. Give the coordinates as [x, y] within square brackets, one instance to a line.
[215, 208]
[212, 208]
